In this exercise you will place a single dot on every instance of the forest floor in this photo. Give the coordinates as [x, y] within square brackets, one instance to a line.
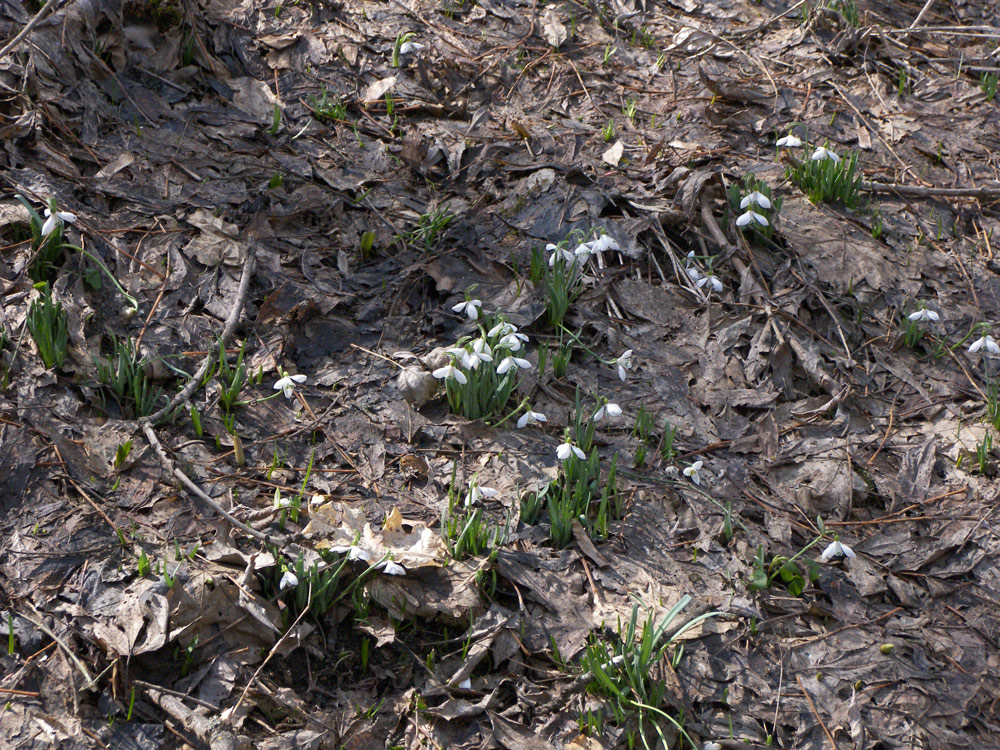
[384, 558]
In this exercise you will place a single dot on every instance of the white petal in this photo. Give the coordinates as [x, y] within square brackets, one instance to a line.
[932, 315]
[702, 281]
[599, 414]
[991, 346]
[621, 372]
[762, 200]
[697, 465]
[523, 420]
[759, 218]
[460, 306]
[67, 216]
[579, 453]
[504, 365]
[393, 569]
[614, 410]
[744, 219]
[918, 315]
[282, 384]
[538, 416]
[977, 345]
[488, 492]
[563, 451]
[288, 580]
[694, 273]
[48, 226]
[789, 141]
[716, 284]
[299, 378]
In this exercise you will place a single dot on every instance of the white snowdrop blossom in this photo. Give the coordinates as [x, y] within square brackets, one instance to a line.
[450, 372]
[710, 279]
[288, 580]
[836, 549]
[988, 342]
[481, 352]
[824, 153]
[604, 243]
[531, 417]
[513, 341]
[623, 363]
[407, 47]
[471, 308]
[788, 141]
[503, 328]
[694, 274]
[392, 569]
[712, 746]
[464, 356]
[583, 251]
[612, 410]
[353, 552]
[691, 472]
[750, 215]
[557, 251]
[924, 314]
[475, 492]
[287, 384]
[281, 502]
[757, 198]
[55, 218]
[511, 361]
[565, 450]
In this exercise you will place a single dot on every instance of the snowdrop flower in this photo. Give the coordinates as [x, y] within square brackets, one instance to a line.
[756, 197]
[470, 306]
[712, 746]
[475, 492]
[353, 552]
[510, 361]
[694, 274]
[692, 471]
[989, 342]
[836, 549]
[604, 243]
[623, 363]
[462, 355]
[531, 417]
[824, 153]
[407, 47]
[513, 341]
[281, 502]
[557, 251]
[288, 580]
[54, 218]
[788, 141]
[710, 279]
[287, 384]
[924, 314]
[502, 328]
[583, 251]
[481, 352]
[612, 410]
[751, 215]
[565, 450]
[452, 372]
[392, 569]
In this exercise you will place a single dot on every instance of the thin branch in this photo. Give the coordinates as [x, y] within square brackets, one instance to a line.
[968, 192]
[27, 28]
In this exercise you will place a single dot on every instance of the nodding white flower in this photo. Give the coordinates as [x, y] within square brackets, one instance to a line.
[287, 384]
[751, 215]
[353, 552]
[612, 410]
[481, 352]
[788, 141]
[475, 492]
[55, 218]
[392, 569]
[531, 417]
[987, 341]
[288, 580]
[407, 47]
[464, 356]
[836, 549]
[583, 251]
[557, 251]
[692, 471]
[470, 306]
[513, 341]
[756, 197]
[623, 363]
[510, 361]
[712, 746]
[565, 450]
[694, 273]
[503, 328]
[452, 372]
[710, 279]
[604, 243]
[824, 153]
[924, 314]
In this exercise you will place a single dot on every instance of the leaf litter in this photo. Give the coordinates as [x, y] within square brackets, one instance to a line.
[312, 189]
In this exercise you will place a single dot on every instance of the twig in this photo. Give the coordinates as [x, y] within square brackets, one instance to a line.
[967, 192]
[227, 333]
[27, 28]
[40, 624]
